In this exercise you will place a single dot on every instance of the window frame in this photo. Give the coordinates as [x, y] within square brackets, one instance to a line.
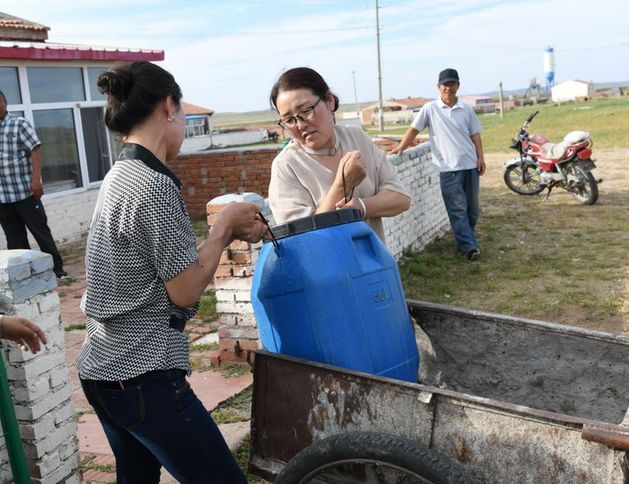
[28, 108]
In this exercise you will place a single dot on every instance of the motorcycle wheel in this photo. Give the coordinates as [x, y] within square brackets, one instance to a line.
[523, 180]
[584, 188]
[370, 458]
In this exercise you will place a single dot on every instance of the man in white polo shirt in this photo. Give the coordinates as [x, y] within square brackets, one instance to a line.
[457, 153]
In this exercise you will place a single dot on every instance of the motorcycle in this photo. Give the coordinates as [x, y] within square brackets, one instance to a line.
[545, 165]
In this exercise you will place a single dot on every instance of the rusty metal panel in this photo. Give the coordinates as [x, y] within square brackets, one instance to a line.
[296, 402]
[497, 446]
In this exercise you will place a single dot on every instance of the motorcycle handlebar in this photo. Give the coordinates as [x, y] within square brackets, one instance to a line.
[530, 118]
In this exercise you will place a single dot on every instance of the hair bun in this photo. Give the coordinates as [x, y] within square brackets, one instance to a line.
[115, 83]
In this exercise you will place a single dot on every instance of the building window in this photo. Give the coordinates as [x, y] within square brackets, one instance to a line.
[92, 77]
[197, 126]
[55, 84]
[10, 85]
[60, 158]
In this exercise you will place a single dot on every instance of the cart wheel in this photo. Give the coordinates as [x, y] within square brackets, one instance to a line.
[370, 457]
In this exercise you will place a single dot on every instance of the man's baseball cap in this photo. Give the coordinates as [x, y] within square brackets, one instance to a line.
[448, 75]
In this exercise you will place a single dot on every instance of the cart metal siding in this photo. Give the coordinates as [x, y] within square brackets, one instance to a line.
[496, 439]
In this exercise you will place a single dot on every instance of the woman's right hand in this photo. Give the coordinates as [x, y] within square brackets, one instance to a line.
[243, 222]
[353, 167]
[24, 332]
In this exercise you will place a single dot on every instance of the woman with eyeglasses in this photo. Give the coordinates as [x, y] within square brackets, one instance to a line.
[325, 166]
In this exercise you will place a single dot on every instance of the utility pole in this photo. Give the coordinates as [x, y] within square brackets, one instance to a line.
[502, 104]
[355, 95]
[381, 104]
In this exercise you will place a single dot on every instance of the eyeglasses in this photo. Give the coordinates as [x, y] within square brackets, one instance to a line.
[305, 115]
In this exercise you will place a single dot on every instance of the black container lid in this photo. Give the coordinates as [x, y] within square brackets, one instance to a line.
[318, 221]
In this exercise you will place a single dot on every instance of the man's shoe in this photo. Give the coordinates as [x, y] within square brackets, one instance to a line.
[473, 254]
[61, 274]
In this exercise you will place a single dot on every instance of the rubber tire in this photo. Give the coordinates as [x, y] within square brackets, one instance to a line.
[589, 179]
[518, 190]
[360, 446]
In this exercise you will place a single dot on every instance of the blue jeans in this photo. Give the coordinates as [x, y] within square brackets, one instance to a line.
[157, 420]
[460, 192]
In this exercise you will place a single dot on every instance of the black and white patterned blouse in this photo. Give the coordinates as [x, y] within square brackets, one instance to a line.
[17, 140]
[140, 236]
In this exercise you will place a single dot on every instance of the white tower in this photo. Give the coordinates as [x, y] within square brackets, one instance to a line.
[549, 67]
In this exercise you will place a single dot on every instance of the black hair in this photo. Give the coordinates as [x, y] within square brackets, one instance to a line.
[4, 98]
[134, 89]
[302, 78]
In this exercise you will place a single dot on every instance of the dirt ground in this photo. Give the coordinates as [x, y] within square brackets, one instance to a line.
[613, 203]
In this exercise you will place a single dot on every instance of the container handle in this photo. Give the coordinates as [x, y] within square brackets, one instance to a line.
[276, 244]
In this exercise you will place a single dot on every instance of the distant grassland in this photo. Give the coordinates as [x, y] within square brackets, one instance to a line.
[259, 118]
[607, 121]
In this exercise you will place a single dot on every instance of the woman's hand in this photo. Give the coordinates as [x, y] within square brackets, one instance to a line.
[27, 334]
[243, 222]
[237, 220]
[352, 167]
[355, 202]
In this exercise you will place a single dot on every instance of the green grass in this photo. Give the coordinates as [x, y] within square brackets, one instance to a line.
[607, 120]
[203, 347]
[72, 327]
[234, 409]
[554, 260]
[207, 307]
[68, 281]
[242, 457]
[200, 227]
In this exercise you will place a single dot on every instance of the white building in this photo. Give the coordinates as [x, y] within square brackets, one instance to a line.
[54, 87]
[570, 91]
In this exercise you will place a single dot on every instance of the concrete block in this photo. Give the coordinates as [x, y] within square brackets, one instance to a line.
[69, 450]
[64, 473]
[59, 376]
[42, 264]
[56, 438]
[39, 429]
[27, 288]
[63, 413]
[43, 362]
[26, 309]
[49, 302]
[31, 390]
[36, 410]
[47, 464]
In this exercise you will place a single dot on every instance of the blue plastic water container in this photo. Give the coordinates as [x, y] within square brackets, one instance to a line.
[332, 293]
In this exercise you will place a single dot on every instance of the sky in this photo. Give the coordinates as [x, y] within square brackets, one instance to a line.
[226, 54]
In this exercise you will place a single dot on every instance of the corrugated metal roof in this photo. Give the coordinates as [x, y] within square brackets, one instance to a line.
[47, 51]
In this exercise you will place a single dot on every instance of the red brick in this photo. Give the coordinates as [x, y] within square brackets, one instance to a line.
[224, 271]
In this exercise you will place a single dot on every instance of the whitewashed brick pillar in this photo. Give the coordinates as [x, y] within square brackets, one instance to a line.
[238, 332]
[40, 384]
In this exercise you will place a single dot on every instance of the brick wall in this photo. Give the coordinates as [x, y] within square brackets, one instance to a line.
[427, 217]
[238, 332]
[204, 176]
[40, 384]
[210, 174]
[69, 216]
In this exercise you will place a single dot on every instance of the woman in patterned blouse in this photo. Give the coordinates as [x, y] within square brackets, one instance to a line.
[144, 279]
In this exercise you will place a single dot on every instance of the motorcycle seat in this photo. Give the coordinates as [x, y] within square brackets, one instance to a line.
[553, 151]
[574, 137]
